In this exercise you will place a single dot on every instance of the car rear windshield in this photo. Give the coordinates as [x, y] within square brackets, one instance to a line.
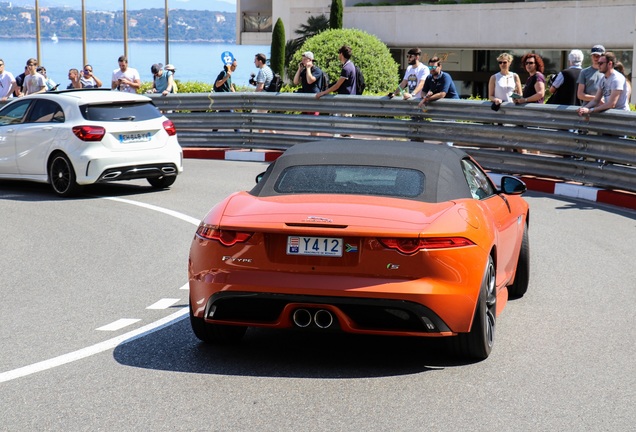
[351, 179]
[138, 111]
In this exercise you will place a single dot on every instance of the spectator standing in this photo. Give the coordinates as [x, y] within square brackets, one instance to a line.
[438, 85]
[33, 81]
[590, 77]
[414, 77]
[308, 75]
[504, 83]
[170, 68]
[7, 82]
[612, 91]
[223, 82]
[265, 74]
[88, 78]
[125, 78]
[19, 82]
[346, 83]
[534, 88]
[162, 80]
[310, 78]
[565, 87]
[74, 76]
[50, 84]
[620, 68]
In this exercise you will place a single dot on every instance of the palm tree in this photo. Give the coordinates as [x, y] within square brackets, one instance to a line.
[315, 24]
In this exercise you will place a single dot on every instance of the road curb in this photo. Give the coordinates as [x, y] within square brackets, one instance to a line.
[574, 190]
[554, 187]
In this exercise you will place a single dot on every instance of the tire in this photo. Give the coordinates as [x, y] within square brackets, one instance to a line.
[62, 176]
[477, 344]
[522, 273]
[216, 334]
[162, 182]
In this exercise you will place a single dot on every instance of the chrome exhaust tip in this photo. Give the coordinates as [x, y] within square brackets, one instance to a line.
[323, 319]
[169, 170]
[301, 317]
[112, 175]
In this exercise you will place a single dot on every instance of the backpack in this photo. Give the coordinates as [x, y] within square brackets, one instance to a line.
[360, 85]
[275, 85]
[324, 84]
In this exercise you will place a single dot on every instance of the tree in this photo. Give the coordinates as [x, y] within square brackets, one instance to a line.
[315, 25]
[277, 59]
[335, 14]
[370, 54]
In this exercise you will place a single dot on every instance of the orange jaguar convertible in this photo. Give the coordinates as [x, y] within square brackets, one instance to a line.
[369, 237]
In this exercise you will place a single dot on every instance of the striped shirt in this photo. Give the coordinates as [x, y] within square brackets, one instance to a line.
[265, 75]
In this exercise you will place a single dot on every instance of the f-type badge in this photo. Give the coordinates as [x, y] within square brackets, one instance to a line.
[318, 219]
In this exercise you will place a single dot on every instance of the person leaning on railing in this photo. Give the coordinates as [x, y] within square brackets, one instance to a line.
[612, 90]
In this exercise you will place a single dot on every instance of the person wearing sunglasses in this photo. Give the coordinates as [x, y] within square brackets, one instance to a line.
[534, 88]
[504, 83]
[612, 91]
[438, 85]
[414, 77]
[88, 78]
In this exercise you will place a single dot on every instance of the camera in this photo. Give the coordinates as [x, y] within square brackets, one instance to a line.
[252, 81]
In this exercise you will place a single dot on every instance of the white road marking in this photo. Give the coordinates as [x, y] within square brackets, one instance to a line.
[110, 343]
[172, 213]
[94, 349]
[163, 303]
[185, 286]
[119, 324]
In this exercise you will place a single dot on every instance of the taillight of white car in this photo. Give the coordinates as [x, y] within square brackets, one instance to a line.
[169, 127]
[89, 133]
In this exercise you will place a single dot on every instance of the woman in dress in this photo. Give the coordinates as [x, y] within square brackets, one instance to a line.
[504, 83]
[534, 89]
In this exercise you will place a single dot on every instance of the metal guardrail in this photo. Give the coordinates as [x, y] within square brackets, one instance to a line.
[599, 150]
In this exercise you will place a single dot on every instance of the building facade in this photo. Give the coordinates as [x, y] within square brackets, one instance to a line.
[468, 36]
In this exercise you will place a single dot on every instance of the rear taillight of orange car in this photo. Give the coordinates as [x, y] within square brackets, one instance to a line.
[169, 127]
[225, 237]
[409, 246]
[89, 133]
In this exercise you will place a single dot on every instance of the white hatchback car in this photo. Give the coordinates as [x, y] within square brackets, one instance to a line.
[79, 137]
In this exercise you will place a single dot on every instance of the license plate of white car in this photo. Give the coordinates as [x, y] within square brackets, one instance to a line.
[314, 246]
[135, 137]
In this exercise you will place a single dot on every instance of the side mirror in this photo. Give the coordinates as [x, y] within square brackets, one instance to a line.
[512, 186]
[259, 177]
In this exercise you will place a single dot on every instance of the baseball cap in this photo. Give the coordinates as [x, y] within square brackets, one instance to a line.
[156, 68]
[309, 55]
[598, 49]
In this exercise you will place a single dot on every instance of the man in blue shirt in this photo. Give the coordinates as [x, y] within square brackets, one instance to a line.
[438, 84]
[346, 83]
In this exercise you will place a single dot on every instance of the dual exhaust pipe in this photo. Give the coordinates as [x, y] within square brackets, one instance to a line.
[322, 318]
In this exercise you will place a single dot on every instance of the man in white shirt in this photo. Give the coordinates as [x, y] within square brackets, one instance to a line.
[125, 78]
[612, 91]
[414, 77]
[7, 82]
[33, 81]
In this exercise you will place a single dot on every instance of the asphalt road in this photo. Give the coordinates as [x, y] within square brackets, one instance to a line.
[80, 349]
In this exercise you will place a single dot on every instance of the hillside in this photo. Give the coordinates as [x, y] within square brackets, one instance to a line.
[145, 24]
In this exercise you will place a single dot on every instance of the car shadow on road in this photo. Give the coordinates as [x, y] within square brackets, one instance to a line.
[279, 353]
[11, 190]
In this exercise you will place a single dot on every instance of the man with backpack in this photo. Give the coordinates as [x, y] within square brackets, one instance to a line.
[265, 75]
[346, 83]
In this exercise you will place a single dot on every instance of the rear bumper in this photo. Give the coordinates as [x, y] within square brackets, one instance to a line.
[138, 171]
[352, 315]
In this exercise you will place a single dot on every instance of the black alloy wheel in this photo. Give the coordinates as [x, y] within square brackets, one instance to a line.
[62, 176]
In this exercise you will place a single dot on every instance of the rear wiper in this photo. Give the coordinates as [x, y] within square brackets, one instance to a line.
[129, 118]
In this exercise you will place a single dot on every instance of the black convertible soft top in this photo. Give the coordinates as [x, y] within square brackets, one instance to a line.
[440, 164]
